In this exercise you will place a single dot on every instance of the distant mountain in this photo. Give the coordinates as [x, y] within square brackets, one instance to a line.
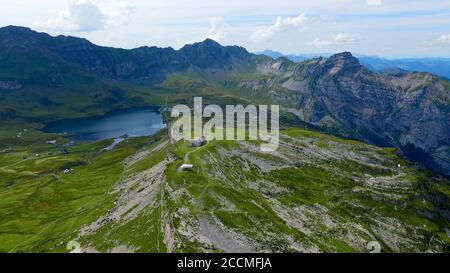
[210, 54]
[140, 65]
[437, 66]
[273, 54]
[292, 57]
[93, 78]
[44, 77]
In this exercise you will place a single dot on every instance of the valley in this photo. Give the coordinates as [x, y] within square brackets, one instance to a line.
[68, 77]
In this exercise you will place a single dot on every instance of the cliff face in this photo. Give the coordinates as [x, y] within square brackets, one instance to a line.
[407, 110]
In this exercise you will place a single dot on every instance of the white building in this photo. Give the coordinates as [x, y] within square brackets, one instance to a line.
[186, 167]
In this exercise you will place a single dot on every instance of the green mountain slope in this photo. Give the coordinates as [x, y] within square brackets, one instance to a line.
[317, 193]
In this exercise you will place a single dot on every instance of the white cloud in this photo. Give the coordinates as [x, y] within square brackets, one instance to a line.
[87, 16]
[177, 22]
[281, 24]
[343, 39]
[340, 39]
[427, 44]
[119, 12]
[79, 16]
[216, 31]
[444, 38]
[373, 2]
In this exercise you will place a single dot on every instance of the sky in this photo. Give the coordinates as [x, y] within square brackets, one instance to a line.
[387, 28]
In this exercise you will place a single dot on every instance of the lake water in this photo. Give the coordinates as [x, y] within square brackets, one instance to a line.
[133, 122]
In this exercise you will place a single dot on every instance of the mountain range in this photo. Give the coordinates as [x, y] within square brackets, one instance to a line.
[44, 78]
[437, 66]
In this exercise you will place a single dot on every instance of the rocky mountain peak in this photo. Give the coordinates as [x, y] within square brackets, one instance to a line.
[211, 54]
[207, 44]
[343, 62]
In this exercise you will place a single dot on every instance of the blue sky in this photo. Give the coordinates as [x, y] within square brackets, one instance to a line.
[389, 28]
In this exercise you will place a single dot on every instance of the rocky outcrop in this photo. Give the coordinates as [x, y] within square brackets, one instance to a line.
[405, 110]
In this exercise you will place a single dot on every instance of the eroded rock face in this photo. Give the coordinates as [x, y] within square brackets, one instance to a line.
[406, 110]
